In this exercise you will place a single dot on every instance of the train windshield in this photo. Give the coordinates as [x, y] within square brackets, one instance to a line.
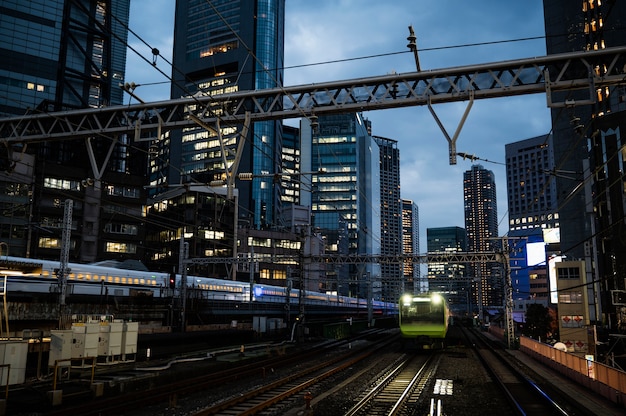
[422, 312]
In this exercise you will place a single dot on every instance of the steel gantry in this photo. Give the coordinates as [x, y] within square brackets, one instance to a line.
[549, 74]
[435, 257]
[590, 70]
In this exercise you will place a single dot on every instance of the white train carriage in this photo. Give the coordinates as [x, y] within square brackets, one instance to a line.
[85, 279]
[89, 279]
[218, 289]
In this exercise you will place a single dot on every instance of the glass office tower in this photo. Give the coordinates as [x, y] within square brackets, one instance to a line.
[222, 47]
[64, 55]
[481, 226]
[450, 279]
[588, 143]
[345, 197]
[390, 217]
[412, 273]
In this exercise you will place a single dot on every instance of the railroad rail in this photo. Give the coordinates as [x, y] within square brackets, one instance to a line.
[398, 391]
[164, 385]
[171, 388]
[525, 396]
[275, 393]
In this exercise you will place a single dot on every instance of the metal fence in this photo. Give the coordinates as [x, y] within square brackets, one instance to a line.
[600, 378]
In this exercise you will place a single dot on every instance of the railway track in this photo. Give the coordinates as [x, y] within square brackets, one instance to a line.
[167, 387]
[522, 393]
[274, 394]
[400, 389]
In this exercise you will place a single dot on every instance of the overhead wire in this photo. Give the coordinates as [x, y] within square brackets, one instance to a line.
[423, 49]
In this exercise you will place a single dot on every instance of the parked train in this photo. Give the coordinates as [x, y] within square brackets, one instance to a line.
[424, 319]
[95, 279]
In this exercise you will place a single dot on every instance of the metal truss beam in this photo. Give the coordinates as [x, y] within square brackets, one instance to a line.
[550, 74]
[444, 257]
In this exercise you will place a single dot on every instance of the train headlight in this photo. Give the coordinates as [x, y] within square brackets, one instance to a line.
[407, 299]
[436, 299]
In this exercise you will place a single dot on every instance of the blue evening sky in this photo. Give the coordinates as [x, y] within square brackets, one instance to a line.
[322, 31]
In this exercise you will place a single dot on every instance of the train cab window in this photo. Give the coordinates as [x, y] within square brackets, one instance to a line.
[422, 312]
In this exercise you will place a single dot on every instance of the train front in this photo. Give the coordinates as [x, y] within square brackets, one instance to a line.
[424, 320]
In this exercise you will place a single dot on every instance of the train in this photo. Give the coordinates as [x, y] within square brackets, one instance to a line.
[424, 320]
[103, 279]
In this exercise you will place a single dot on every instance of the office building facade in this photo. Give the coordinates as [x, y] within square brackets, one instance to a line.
[449, 279]
[390, 217]
[345, 197]
[219, 48]
[412, 272]
[531, 184]
[481, 226]
[533, 211]
[63, 55]
[587, 142]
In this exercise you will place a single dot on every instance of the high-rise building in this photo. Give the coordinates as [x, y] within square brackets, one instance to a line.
[450, 279]
[61, 55]
[531, 185]
[290, 181]
[587, 143]
[222, 47]
[531, 192]
[345, 197]
[412, 278]
[390, 217]
[481, 225]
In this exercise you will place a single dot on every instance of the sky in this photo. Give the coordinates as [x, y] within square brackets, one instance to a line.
[361, 34]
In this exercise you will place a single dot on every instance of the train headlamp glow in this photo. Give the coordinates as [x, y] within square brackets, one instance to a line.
[406, 300]
[436, 299]
[258, 291]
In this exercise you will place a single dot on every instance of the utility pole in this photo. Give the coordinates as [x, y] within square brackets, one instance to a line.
[288, 297]
[370, 306]
[63, 271]
[183, 252]
[251, 273]
[508, 292]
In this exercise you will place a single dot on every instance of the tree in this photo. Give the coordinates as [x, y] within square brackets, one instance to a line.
[538, 322]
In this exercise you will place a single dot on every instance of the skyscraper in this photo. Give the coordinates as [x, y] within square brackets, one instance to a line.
[61, 55]
[588, 139]
[345, 197]
[412, 279]
[222, 47]
[481, 225]
[531, 192]
[390, 217]
[531, 185]
[450, 279]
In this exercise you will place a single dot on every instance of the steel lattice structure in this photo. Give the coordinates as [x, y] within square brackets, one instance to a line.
[562, 72]
[458, 257]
